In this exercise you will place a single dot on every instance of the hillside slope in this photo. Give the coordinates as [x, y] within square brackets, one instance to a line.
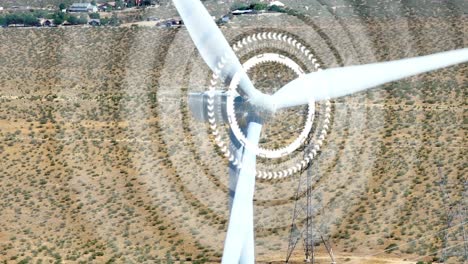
[101, 160]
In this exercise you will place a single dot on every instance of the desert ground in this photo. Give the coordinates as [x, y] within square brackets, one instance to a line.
[102, 161]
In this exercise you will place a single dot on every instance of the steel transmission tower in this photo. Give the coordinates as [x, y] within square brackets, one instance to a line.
[302, 226]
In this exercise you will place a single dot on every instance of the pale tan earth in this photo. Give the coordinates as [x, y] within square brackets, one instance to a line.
[101, 160]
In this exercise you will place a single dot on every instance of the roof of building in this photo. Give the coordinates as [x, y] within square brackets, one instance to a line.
[80, 5]
[276, 3]
[107, 4]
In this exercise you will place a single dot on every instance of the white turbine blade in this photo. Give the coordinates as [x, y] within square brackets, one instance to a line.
[211, 43]
[237, 149]
[248, 249]
[336, 82]
[238, 246]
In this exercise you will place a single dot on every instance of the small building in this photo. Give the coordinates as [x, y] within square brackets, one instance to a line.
[276, 3]
[46, 22]
[94, 22]
[106, 7]
[152, 18]
[174, 22]
[226, 18]
[243, 12]
[83, 7]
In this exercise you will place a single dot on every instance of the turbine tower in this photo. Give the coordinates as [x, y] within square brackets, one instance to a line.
[312, 87]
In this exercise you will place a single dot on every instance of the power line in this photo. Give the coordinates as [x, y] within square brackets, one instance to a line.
[415, 240]
[450, 216]
[437, 251]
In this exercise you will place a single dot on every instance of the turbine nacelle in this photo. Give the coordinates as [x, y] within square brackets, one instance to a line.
[244, 108]
[263, 104]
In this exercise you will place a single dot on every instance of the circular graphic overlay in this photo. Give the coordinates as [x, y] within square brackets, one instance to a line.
[264, 40]
[262, 152]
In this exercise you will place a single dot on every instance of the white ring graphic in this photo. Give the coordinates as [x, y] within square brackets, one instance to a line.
[312, 152]
[267, 153]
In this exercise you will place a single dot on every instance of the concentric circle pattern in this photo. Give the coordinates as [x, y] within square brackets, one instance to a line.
[261, 41]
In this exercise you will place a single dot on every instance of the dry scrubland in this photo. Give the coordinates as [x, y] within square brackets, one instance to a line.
[101, 160]
[37, 3]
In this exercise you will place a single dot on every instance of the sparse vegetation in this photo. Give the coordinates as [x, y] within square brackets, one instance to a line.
[98, 167]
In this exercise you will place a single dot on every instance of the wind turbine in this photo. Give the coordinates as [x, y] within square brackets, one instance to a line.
[316, 86]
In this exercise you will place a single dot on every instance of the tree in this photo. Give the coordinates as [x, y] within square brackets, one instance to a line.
[12, 19]
[93, 2]
[105, 21]
[119, 4]
[3, 21]
[260, 6]
[83, 19]
[240, 6]
[62, 6]
[20, 18]
[114, 20]
[40, 13]
[59, 18]
[30, 20]
[72, 20]
[49, 16]
[94, 16]
[276, 8]
[130, 4]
